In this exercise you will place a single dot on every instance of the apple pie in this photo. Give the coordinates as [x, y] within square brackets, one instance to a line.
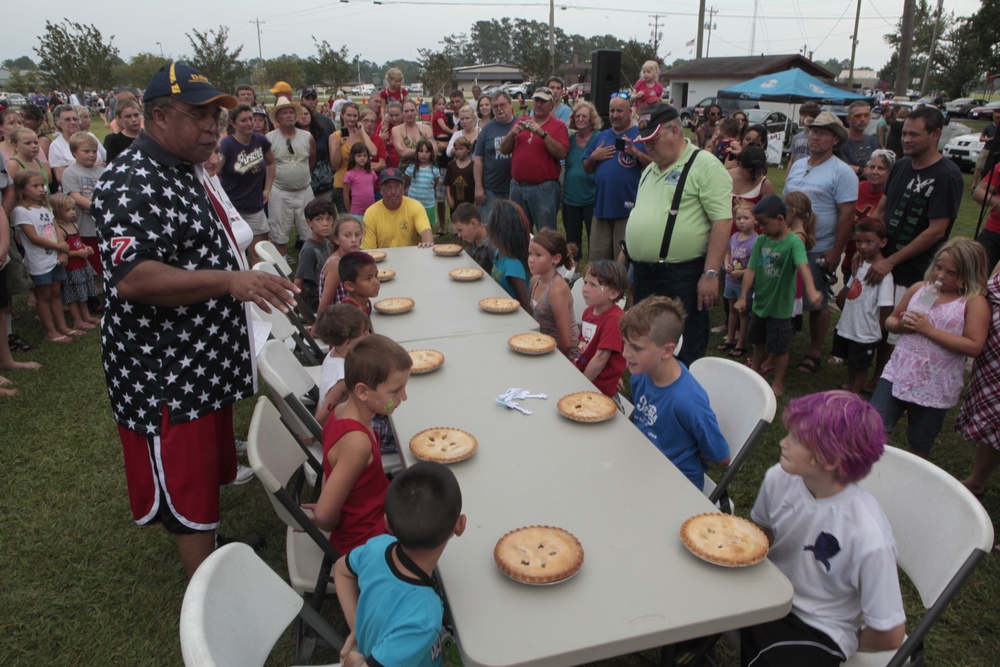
[724, 539]
[538, 554]
[466, 275]
[444, 445]
[394, 305]
[425, 361]
[499, 304]
[377, 255]
[532, 342]
[587, 406]
[447, 249]
[385, 275]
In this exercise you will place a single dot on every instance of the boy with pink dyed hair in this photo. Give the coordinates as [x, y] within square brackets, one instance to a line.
[829, 537]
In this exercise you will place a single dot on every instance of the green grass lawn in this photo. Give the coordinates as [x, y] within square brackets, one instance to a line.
[83, 585]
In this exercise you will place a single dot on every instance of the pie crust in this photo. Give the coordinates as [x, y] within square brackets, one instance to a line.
[724, 539]
[394, 305]
[425, 361]
[538, 554]
[499, 304]
[377, 255]
[385, 275]
[532, 342]
[447, 249]
[587, 406]
[443, 444]
[466, 275]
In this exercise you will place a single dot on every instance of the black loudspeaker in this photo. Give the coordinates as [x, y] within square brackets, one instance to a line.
[605, 78]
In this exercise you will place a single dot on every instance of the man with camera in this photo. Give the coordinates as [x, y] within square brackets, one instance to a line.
[616, 163]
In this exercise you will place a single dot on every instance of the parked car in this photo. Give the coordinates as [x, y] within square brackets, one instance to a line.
[774, 121]
[17, 100]
[516, 89]
[984, 112]
[691, 113]
[578, 91]
[416, 88]
[364, 89]
[964, 150]
[961, 107]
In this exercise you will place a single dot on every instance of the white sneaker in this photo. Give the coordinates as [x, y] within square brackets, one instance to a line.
[243, 475]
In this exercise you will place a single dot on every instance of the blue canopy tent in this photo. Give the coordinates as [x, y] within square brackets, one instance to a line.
[791, 86]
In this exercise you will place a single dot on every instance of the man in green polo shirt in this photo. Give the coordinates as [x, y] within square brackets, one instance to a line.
[690, 268]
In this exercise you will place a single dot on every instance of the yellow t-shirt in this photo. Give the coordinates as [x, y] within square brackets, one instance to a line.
[394, 229]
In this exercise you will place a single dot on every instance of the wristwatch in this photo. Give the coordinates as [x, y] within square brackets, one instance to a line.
[545, 136]
[711, 274]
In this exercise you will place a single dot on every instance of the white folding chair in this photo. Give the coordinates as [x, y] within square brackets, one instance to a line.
[942, 534]
[276, 459]
[576, 291]
[744, 406]
[235, 609]
[288, 382]
[269, 253]
[305, 344]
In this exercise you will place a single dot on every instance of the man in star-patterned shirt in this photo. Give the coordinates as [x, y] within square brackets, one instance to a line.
[175, 339]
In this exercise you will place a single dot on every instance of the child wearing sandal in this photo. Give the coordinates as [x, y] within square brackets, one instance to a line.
[33, 220]
[79, 285]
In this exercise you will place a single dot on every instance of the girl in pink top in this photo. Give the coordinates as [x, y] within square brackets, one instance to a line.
[925, 375]
[359, 181]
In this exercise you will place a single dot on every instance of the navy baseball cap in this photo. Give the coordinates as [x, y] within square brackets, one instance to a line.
[652, 119]
[390, 174]
[186, 84]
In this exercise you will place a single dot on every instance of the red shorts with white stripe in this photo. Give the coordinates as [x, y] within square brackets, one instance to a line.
[174, 477]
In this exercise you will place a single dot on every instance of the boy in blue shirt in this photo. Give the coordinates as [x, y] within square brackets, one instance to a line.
[671, 408]
[387, 589]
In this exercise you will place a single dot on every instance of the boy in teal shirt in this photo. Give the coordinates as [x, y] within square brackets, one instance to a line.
[777, 256]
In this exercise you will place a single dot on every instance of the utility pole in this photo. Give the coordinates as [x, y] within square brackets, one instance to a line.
[710, 26]
[854, 47]
[656, 32]
[753, 29]
[905, 48]
[926, 83]
[701, 27]
[260, 50]
[552, 37]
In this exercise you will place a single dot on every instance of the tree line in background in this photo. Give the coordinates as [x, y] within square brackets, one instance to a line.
[968, 48]
[77, 56]
[525, 44]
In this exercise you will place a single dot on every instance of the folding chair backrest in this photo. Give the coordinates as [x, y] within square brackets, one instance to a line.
[304, 342]
[274, 456]
[744, 406]
[578, 304]
[936, 522]
[235, 609]
[287, 382]
[281, 328]
[269, 253]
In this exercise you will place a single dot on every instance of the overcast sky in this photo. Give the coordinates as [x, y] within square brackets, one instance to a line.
[396, 29]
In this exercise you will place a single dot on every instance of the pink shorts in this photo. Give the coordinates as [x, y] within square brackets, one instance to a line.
[174, 477]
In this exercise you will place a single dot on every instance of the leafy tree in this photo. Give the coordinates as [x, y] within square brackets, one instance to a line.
[436, 71]
[140, 69]
[287, 68]
[76, 56]
[328, 65]
[960, 57]
[214, 59]
[23, 63]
